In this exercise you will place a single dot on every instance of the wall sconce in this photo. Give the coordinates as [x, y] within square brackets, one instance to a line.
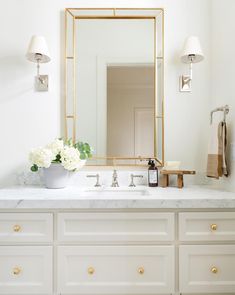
[38, 52]
[192, 53]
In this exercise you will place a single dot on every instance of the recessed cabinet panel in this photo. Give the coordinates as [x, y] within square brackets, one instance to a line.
[115, 269]
[207, 269]
[25, 270]
[26, 227]
[109, 227]
[208, 226]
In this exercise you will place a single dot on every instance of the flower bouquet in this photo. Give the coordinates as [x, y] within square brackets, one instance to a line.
[58, 159]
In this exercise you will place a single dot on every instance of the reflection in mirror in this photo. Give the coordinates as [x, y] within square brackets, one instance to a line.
[106, 51]
[130, 111]
[115, 103]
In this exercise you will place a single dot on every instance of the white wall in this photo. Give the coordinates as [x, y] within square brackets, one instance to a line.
[223, 74]
[29, 119]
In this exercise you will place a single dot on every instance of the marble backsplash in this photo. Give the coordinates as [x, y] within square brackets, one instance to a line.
[80, 178]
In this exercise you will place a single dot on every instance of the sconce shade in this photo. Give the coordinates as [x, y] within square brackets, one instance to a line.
[38, 45]
[192, 47]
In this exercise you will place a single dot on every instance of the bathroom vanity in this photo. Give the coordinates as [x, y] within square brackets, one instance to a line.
[117, 241]
[120, 240]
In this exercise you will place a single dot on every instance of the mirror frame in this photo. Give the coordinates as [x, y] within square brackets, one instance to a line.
[70, 118]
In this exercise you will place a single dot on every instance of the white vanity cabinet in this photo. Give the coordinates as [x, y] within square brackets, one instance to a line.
[116, 227]
[207, 226]
[116, 269]
[25, 270]
[207, 264]
[118, 251]
[27, 227]
[207, 268]
[26, 253]
[122, 253]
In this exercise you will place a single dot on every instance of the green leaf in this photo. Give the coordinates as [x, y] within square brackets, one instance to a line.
[34, 168]
[87, 147]
[84, 149]
[68, 142]
[82, 156]
[58, 158]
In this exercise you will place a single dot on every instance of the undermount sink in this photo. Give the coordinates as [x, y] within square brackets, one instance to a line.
[112, 192]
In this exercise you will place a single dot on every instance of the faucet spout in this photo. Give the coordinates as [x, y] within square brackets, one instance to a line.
[115, 179]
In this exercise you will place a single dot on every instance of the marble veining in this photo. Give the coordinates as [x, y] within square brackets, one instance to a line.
[37, 197]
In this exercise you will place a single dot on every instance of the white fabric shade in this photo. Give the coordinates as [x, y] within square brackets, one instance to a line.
[38, 45]
[192, 46]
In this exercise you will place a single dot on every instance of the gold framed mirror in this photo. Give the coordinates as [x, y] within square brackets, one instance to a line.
[114, 83]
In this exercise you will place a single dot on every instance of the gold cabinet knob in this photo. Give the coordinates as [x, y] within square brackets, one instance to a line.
[17, 228]
[90, 270]
[141, 270]
[16, 270]
[213, 226]
[214, 269]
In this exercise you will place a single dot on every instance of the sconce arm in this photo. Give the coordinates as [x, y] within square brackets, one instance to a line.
[191, 71]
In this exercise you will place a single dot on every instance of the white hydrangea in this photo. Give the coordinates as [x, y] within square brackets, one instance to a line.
[70, 158]
[56, 147]
[42, 157]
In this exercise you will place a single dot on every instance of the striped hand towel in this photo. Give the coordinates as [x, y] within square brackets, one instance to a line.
[216, 162]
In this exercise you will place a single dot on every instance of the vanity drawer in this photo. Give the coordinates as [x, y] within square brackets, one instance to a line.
[115, 269]
[115, 227]
[207, 226]
[25, 270]
[207, 269]
[26, 227]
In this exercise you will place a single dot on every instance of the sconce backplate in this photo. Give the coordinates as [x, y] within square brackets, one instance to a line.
[41, 83]
[185, 84]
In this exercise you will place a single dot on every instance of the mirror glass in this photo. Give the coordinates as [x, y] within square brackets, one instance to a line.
[113, 94]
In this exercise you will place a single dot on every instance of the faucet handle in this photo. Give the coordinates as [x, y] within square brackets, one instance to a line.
[115, 179]
[132, 184]
[97, 176]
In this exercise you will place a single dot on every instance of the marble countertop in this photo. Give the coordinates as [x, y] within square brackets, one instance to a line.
[193, 197]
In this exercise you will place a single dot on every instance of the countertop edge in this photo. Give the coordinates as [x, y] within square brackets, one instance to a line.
[118, 204]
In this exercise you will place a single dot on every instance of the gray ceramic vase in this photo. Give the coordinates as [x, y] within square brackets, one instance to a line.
[56, 176]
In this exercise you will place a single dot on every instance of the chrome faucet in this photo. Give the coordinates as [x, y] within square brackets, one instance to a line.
[115, 179]
[97, 176]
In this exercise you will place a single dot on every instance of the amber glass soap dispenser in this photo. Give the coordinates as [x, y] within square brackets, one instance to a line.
[152, 174]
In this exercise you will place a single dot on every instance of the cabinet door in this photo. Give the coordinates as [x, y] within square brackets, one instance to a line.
[115, 269]
[115, 227]
[207, 226]
[207, 269]
[25, 270]
[26, 227]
